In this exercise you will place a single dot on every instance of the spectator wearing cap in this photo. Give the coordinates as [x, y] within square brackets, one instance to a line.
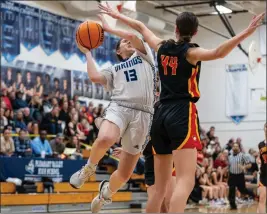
[41, 145]
[229, 145]
[7, 147]
[19, 102]
[23, 145]
[57, 144]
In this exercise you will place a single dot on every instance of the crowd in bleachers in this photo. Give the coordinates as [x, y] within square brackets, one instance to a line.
[51, 125]
[213, 170]
[28, 119]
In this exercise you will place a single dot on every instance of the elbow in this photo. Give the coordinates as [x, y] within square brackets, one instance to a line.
[93, 79]
[219, 54]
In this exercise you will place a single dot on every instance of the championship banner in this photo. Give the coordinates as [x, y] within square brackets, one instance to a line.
[10, 36]
[49, 32]
[29, 25]
[67, 38]
[80, 54]
[236, 92]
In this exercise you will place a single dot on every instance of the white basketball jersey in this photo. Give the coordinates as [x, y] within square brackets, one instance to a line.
[133, 80]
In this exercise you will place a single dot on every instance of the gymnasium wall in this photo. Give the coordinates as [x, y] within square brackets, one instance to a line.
[212, 105]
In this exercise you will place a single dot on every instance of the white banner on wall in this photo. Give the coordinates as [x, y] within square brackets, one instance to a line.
[237, 92]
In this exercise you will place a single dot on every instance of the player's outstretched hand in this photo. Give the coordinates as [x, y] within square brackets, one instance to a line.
[255, 22]
[107, 9]
[105, 25]
[81, 48]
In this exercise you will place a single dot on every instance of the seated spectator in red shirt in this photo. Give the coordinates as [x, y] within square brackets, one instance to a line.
[6, 99]
[220, 161]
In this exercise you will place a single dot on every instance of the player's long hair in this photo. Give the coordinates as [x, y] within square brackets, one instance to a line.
[186, 27]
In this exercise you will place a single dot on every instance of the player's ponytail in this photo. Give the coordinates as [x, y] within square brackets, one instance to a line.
[185, 38]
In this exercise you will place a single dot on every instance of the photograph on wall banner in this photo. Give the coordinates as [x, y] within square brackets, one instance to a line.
[98, 91]
[36, 79]
[77, 83]
[87, 86]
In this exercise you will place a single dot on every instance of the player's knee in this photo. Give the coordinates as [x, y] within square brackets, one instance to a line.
[106, 140]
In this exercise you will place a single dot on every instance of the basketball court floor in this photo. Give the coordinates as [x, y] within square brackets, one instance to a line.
[242, 209]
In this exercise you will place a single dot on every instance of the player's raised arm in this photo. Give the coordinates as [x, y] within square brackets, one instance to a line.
[152, 40]
[200, 54]
[93, 74]
[135, 41]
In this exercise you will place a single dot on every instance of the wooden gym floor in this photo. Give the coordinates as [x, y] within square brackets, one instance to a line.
[242, 209]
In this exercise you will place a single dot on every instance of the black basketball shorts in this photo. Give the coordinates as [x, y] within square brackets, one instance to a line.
[175, 126]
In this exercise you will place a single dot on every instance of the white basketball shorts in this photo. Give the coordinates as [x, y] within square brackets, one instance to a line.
[134, 126]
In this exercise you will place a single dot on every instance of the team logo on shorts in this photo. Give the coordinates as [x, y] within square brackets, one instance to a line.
[136, 146]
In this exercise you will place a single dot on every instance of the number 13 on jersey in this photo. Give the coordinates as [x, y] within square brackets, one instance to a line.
[171, 61]
[130, 75]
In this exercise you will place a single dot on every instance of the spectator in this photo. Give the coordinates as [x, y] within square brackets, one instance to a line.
[40, 145]
[32, 126]
[6, 99]
[64, 114]
[239, 142]
[57, 145]
[7, 147]
[83, 129]
[229, 145]
[9, 114]
[211, 133]
[54, 102]
[3, 120]
[74, 143]
[47, 106]
[19, 102]
[19, 123]
[71, 128]
[23, 145]
[220, 162]
[51, 122]
[36, 107]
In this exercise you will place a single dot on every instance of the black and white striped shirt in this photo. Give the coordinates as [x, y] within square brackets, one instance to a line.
[236, 162]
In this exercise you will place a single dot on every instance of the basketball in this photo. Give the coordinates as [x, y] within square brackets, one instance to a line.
[90, 34]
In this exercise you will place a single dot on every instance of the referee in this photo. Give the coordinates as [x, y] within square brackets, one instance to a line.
[238, 164]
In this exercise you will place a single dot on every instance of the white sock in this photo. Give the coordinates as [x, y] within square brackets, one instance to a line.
[107, 193]
[91, 165]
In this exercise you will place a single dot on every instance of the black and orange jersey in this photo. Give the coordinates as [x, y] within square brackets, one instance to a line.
[263, 156]
[179, 79]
